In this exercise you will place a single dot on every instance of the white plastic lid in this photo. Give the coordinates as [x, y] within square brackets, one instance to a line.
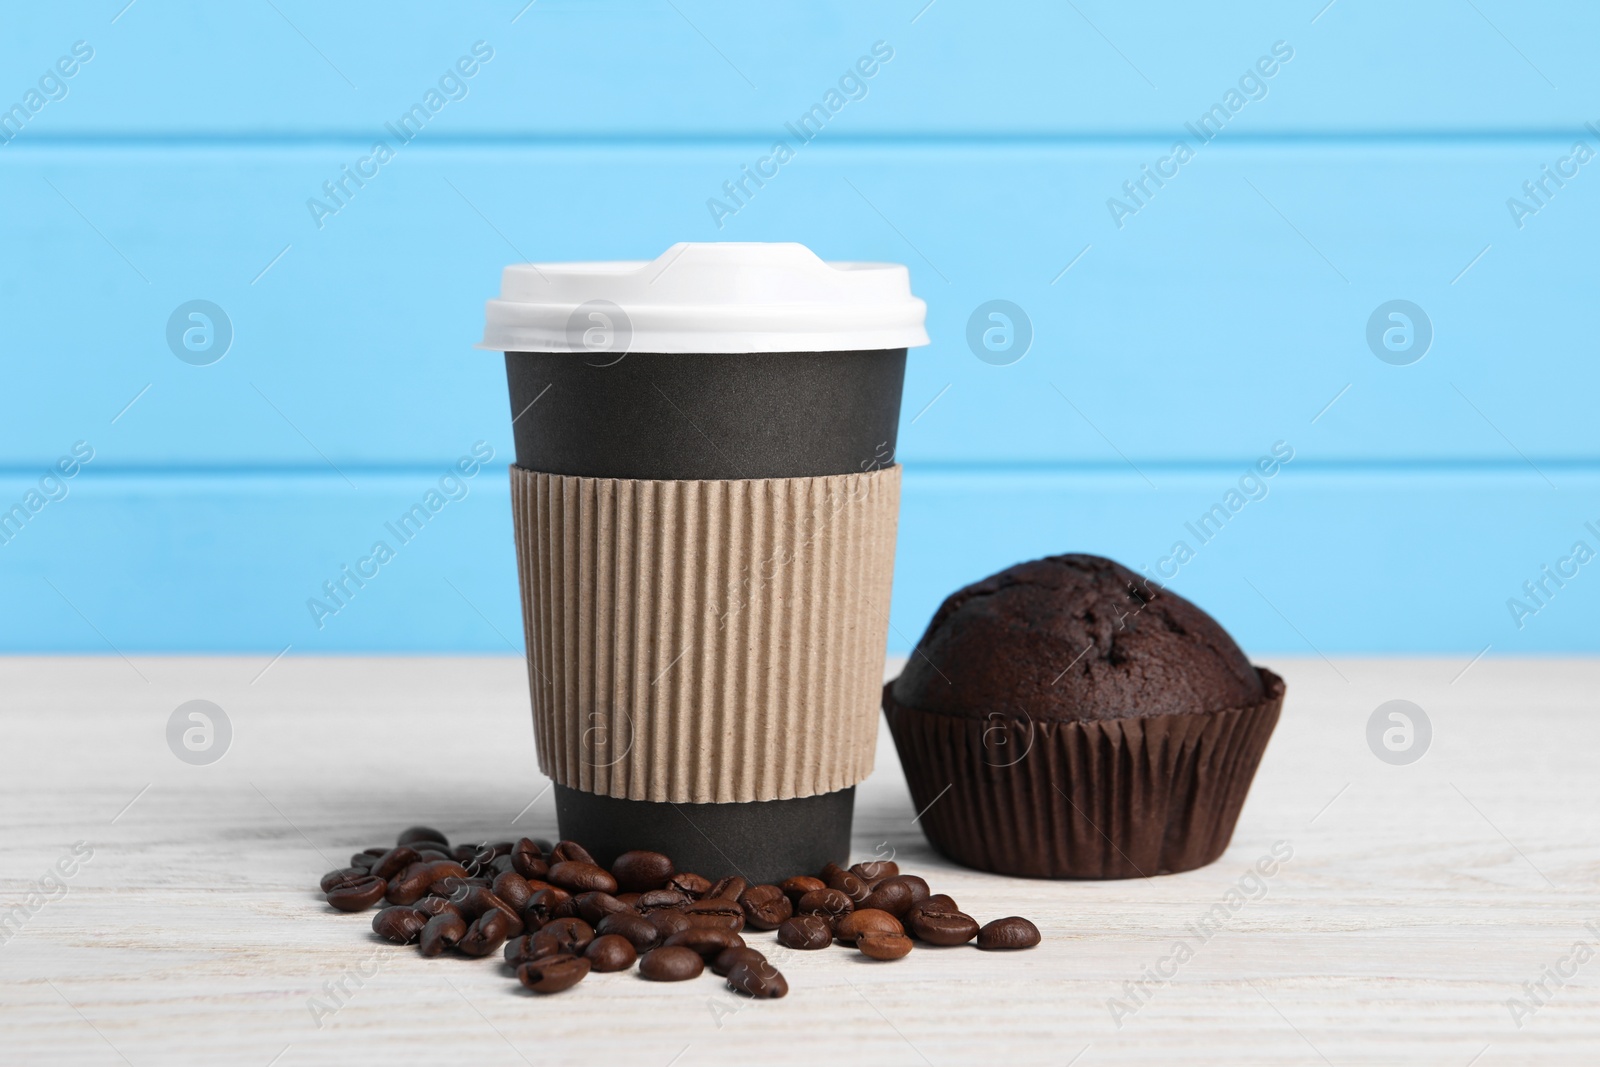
[707, 297]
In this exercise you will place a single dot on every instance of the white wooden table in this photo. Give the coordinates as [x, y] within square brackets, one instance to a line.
[1417, 901]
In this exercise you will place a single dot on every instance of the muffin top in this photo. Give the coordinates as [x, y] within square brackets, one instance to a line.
[1074, 637]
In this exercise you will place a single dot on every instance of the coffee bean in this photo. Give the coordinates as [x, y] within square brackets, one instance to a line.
[716, 912]
[574, 934]
[409, 885]
[801, 884]
[723, 961]
[553, 973]
[420, 833]
[611, 952]
[478, 902]
[394, 861]
[357, 892]
[937, 900]
[668, 921]
[851, 886]
[481, 865]
[730, 888]
[691, 885]
[1009, 933]
[500, 866]
[514, 923]
[571, 852]
[433, 855]
[594, 906]
[344, 876]
[488, 932]
[892, 896]
[919, 888]
[672, 963]
[765, 906]
[548, 904]
[874, 871]
[466, 855]
[472, 899]
[829, 902]
[527, 859]
[656, 899]
[529, 947]
[938, 925]
[454, 888]
[884, 946]
[865, 922]
[640, 932]
[760, 980]
[706, 940]
[512, 888]
[441, 932]
[363, 860]
[807, 932]
[428, 907]
[580, 876]
[399, 925]
[630, 899]
[640, 872]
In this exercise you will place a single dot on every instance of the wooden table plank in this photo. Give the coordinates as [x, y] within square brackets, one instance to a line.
[1417, 900]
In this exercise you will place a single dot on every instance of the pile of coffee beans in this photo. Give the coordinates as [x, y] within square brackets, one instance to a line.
[556, 915]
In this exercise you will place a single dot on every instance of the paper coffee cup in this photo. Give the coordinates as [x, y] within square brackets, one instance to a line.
[705, 499]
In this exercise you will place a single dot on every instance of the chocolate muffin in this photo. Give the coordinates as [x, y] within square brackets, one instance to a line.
[1080, 722]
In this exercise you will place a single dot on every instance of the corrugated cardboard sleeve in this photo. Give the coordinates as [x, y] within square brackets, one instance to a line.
[706, 641]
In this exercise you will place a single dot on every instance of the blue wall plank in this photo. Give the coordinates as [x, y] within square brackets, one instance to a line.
[1422, 559]
[1224, 315]
[646, 68]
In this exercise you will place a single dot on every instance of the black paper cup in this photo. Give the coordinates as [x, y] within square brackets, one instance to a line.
[677, 417]
[706, 416]
[790, 445]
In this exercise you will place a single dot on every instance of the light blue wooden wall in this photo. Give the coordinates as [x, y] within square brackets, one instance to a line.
[1224, 316]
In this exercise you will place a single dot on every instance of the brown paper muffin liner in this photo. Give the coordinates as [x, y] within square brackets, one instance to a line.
[706, 641]
[1115, 798]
